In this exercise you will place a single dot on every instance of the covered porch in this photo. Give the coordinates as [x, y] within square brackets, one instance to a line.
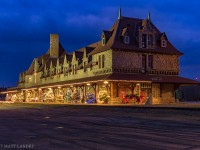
[111, 88]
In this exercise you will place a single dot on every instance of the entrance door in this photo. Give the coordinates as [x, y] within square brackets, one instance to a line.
[156, 93]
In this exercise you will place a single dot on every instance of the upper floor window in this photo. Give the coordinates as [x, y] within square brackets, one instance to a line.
[74, 69]
[144, 61]
[150, 40]
[103, 61]
[126, 39]
[75, 66]
[103, 41]
[163, 43]
[99, 61]
[144, 40]
[147, 62]
[150, 61]
[84, 66]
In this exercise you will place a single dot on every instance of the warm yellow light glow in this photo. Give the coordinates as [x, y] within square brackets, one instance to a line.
[59, 87]
[40, 89]
[105, 82]
[88, 83]
[47, 117]
[59, 127]
[138, 84]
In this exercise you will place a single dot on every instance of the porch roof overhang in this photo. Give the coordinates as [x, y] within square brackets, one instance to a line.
[151, 78]
[11, 90]
[120, 77]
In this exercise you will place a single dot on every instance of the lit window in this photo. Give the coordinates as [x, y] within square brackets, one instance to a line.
[103, 41]
[163, 43]
[126, 40]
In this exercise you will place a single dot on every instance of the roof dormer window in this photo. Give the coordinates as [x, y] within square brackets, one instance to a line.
[144, 40]
[103, 41]
[150, 40]
[163, 43]
[126, 39]
[163, 40]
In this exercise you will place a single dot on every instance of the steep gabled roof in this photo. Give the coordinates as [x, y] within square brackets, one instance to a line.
[132, 25]
[45, 59]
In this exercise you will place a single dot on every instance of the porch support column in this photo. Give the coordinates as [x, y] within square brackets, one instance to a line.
[111, 90]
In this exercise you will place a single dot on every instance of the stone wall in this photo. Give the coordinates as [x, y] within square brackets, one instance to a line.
[127, 59]
[134, 60]
[166, 62]
[167, 94]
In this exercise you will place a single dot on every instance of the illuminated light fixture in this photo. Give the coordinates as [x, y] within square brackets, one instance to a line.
[59, 127]
[46, 117]
[138, 84]
[88, 83]
[59, 87]
[105, 82]
[40, 89]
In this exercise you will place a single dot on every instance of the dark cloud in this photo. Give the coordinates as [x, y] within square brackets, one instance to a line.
[25, 26]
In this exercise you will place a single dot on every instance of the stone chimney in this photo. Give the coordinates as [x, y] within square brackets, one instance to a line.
[54, 45]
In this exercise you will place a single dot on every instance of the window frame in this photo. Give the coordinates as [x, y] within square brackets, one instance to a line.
[100, 61]
[163, 43]
[150, 61]
[150, 40]
[144, 40]
[103, 41]
[103, 61]
[126, 39]
[144, 61]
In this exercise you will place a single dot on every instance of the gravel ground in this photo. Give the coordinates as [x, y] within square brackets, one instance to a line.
[51, 126]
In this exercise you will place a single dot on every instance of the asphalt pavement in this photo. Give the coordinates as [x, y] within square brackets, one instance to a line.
[80, 127]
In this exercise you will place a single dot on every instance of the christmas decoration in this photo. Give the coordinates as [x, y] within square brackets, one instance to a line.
[103, 97]
[68, 97]
[49, 96]
[90, 98]
[76, 96]
[130, 97]
[142, 97]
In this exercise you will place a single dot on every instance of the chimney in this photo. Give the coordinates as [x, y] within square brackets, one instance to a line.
[54, 45]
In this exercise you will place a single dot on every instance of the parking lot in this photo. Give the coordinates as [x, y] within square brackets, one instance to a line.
[61, 126]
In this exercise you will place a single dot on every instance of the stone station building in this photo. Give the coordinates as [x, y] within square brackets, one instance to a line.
[132, 62]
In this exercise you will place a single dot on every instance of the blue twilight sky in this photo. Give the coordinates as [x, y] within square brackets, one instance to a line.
[25, 26]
